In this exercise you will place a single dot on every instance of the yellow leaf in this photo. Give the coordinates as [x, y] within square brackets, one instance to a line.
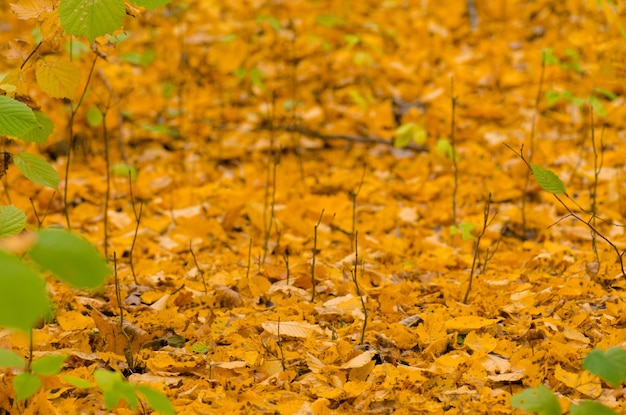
[465, 324]
[57, 77]
[583, 382]
[17, 79]
[74, 320]
[359, 360]
[292, 329]
[31, 9]
[480, 343]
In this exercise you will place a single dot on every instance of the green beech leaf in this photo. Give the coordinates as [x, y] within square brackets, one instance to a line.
[12, 221]
[548, 180]
[77, 382]
[123, 169]
[115, 388]
[37, 170]
[199, 347]
[157, 400]
[70, 258]
[91, 18]
[465, 229]
[609, 365]
[48, 365]
[537, 400]
[23, 298]
[11, 359]
[409, 132]
[25, 385]
[590, 408]
[94, 116]
[549, 58]
[41, 131]
[553, 96]
[329, 20]
[444, 148]
[16, 119]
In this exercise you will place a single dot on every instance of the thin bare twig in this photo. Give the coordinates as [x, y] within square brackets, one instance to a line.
[486, 223]
[314, 255]
[137, 222]
[356, 284]
[195, 261]
[327, 137]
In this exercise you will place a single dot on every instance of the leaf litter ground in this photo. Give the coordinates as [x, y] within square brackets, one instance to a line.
[239, 88]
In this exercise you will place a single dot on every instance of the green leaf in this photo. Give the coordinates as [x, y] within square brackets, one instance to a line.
[168, 88]
[590, 408]
[549, 58]
[94, 116]
[444, 148]
[115, 388]
[597, 105]
[23, 298]
[548, 180]
[257, 76]
[41, 131]
[123, 169]
[358, 99]
[609, 365]
[77, 382]
[16, 118]
[48, 365]
[140, 59]
[159, 129]
[329, 20]
[76, 48]
[409, 132]
[271, 20]
[71, 258]
[537, 400]
[465, 229]
[25, 385]
[352, 40]
[157, 400]
[199, 347]
[240, 73]
[553, 96]
[37, 170]
[9, 359]
[606, 92]
[12, 221]
[151, 4]
[91, 18]
[363, 59]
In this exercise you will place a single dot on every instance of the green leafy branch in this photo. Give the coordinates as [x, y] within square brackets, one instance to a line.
[550, 182]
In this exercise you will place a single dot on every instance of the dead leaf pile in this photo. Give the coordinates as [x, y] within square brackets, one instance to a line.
[262, 133]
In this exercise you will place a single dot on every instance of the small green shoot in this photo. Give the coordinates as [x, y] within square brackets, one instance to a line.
[94, 117]
[26, 384]
[408, 133]
[124, 170]
[464, 229]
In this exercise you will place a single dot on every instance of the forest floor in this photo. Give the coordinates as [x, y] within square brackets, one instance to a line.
[290, 259]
